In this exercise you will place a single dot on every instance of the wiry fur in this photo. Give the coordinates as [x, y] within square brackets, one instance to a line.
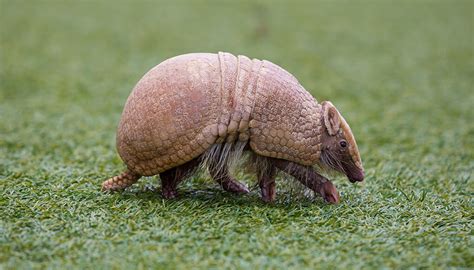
[332, 163]
[224, 155]
[331, 160]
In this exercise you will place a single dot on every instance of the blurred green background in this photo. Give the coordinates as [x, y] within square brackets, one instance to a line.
[401, 73]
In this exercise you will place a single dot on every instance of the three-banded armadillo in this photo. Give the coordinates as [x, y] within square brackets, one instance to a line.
[207, 108]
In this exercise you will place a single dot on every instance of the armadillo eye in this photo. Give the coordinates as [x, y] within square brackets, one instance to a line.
[343, 143]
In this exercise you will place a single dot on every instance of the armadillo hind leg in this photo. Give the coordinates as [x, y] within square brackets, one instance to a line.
[172, 177]
[308, 177]
[266, 172]
[121, 181]
[227, 182]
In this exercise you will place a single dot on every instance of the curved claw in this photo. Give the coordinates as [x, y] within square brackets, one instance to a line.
[329, 193]
[169, 193]
[234, 186]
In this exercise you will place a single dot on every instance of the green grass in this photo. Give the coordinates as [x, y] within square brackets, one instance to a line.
[401, 73]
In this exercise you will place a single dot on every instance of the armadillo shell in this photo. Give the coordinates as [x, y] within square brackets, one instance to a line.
[188, 103]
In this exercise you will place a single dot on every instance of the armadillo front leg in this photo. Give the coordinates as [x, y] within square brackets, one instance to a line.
[121, 181]
[308, 177]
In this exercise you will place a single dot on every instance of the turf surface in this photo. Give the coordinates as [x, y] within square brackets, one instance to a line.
[401, 73]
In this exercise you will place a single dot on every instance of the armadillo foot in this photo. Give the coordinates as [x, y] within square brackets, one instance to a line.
[227, 182]
[268, 192]
[234, 186]
[329, 192]
[169, 183]
[121, 181]
[172, 177]
[169, 193]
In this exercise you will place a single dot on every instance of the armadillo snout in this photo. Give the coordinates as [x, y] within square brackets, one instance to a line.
[356, 176]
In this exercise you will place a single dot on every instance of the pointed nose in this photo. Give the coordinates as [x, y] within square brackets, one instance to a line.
[356, 176]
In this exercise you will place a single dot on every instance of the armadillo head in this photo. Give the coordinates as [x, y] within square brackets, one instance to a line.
[338, 147]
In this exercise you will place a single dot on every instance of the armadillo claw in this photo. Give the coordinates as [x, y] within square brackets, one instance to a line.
[169, 193]
[235, 186]
[329, 193]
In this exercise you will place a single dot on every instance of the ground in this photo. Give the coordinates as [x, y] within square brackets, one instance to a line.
[401, 73]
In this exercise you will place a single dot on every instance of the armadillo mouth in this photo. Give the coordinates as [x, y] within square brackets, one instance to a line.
[353, 173]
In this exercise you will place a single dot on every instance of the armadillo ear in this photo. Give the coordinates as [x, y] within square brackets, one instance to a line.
[332, 119]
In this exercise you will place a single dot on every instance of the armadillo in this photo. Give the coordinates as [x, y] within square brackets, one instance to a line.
[204, 108]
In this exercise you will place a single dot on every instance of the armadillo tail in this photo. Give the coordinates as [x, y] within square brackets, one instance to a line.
[120, 181]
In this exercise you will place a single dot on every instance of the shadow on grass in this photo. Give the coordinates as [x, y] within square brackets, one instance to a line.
[216, 197]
